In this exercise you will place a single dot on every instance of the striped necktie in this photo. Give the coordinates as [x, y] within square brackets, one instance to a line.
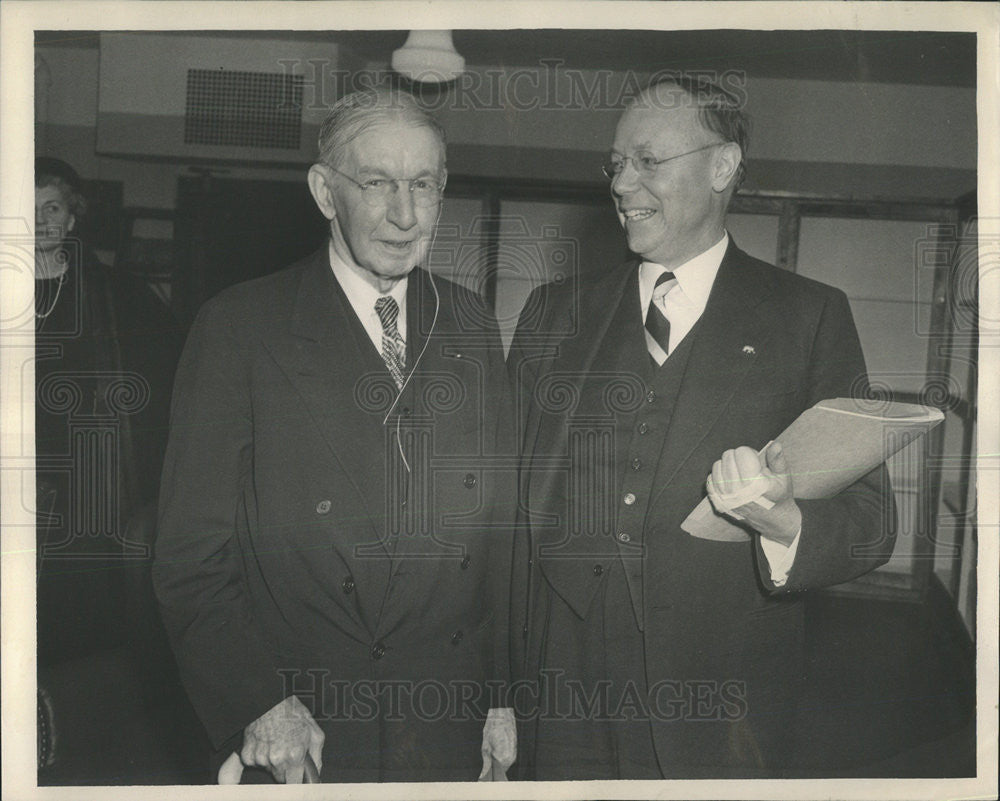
[393, 346]
[657, 324]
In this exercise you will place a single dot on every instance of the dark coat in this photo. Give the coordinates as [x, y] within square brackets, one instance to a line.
[769, 345]
[295, 551]
[106, 354]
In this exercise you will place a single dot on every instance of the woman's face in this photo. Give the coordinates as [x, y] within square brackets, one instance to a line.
[53, 219]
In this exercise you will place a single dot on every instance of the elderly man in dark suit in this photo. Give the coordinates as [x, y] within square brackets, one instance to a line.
[331, 563]
[657, 653]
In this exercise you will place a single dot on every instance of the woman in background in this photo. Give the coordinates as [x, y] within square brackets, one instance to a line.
[105, 348]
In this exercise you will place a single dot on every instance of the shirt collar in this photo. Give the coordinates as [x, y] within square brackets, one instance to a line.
[363, 295]
[695, 277]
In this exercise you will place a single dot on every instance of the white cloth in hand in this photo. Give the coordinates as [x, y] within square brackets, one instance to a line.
[726, 499]
[499, 748]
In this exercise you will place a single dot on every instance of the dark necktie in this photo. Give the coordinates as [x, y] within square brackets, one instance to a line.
[393, 347]
[657, 323]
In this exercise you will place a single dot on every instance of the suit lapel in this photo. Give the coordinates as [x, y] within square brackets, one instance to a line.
[340, 384]
[586, 317]
[588, 324]
[440, 357]
[421, 308]
[423, 328]
[598, 309]
[603, 308]
[729, 336]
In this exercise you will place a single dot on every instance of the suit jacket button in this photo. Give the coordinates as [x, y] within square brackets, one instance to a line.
[466, 561]
[323, 507]
[624, 537]
[598, 570]
[348, 585]
[456, 638]
[643, 428]
[629, 498]
[378, 650]
[469, 481]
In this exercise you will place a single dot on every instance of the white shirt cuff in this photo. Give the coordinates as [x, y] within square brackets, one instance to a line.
[780, 557]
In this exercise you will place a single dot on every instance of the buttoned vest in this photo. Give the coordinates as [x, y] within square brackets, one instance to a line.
[609, 439]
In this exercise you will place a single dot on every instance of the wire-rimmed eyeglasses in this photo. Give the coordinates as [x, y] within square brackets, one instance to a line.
[378, 191]
[645, 164]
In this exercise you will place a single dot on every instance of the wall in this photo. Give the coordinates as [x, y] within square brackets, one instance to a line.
[912, 141]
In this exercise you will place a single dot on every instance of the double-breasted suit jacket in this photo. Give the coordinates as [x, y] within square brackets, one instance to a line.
[615, 455]
[319, 536]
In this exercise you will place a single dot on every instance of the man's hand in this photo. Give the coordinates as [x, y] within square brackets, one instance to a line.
[499, 741]
[742, 470]
[279, 739]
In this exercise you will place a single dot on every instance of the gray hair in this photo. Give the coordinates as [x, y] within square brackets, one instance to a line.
[358, 112]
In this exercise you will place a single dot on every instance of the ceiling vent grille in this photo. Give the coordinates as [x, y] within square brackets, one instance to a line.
[243, 109]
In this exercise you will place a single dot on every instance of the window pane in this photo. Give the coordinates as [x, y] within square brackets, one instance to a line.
[542, 241]
[757, 234]
[459, 252]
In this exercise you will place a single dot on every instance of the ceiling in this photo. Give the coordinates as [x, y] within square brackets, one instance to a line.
[922, 57]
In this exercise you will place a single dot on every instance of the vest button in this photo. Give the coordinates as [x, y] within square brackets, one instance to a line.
[624, 537]
[637, 463]
[598, 570]
[469, 481]
[378, 650]
[629, 499]
[348, 585]
[643, 428]
[650, 396]
[466, 561]
[323, 507]
[456, 638]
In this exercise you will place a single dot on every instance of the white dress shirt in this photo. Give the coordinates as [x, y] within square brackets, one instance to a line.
[363, 295]
[683, 306]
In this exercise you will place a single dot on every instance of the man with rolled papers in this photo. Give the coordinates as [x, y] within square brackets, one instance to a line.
[654, 653]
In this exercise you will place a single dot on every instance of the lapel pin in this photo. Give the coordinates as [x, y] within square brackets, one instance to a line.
[749, 350]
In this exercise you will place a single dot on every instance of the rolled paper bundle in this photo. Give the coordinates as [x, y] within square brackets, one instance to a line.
[828, 448]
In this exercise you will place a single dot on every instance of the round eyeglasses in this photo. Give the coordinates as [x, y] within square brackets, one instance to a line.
[379, 191]
[645, 164]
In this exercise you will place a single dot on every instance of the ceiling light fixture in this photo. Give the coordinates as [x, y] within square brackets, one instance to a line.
[428, 57]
